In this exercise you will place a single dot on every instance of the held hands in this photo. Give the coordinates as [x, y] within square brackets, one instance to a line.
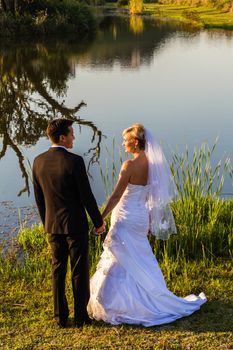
[100, 230]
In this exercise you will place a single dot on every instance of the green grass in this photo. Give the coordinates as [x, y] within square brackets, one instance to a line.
[26, 307]
[202, 16]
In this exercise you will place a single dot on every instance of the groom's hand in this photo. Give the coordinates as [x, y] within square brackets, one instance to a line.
[100, 230]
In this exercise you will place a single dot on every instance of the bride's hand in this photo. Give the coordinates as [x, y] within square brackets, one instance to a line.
[100, 230]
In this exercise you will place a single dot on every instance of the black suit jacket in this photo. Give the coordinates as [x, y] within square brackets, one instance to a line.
[62, 192]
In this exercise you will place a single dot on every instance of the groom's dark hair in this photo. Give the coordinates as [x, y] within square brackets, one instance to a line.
[58, 127]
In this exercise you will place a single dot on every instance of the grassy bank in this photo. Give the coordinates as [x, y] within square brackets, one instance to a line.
[200, 16]
[26, 305]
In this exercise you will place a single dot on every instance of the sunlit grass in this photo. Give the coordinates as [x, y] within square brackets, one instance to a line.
[26, 308]
[200, 16]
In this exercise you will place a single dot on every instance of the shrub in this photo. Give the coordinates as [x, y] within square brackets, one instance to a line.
[191, 15]
[121, 3]
[48, 17]
[33, 239]
[135, 6]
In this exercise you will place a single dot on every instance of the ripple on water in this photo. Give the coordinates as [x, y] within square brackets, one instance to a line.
[12, 217]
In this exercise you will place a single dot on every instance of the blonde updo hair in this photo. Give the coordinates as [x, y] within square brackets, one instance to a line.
[137, 132]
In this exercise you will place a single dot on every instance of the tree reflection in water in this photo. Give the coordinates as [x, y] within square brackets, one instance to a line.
[34, 77]
[32, 81]
[136, 24]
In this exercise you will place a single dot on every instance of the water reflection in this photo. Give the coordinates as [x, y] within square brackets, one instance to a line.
[119, 38]
[136, 24]
[35, 77]
[33, 81]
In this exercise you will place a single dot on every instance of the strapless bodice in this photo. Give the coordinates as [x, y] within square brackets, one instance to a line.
[132, 208]
[135, 193]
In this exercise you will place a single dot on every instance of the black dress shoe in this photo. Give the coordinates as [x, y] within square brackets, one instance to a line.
[62, 324]
[81, 323]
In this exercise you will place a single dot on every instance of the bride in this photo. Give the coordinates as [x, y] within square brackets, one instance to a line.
[128, 285]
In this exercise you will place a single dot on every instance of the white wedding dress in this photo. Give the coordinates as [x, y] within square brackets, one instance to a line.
[128, 285]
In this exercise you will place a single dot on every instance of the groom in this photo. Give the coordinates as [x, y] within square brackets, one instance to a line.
[63, 195]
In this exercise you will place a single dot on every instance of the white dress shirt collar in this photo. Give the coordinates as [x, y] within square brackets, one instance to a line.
[53, 146]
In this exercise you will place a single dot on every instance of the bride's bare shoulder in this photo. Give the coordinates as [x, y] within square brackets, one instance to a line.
[127, 163]
[126, 166]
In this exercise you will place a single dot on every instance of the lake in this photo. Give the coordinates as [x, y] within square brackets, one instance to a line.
[174, 79]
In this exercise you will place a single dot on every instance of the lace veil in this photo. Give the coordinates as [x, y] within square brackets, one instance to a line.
[162, 190]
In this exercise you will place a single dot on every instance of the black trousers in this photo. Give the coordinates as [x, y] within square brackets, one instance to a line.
[63, 246]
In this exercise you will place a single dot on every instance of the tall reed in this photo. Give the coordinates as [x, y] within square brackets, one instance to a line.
[109, 171]
[195, 175]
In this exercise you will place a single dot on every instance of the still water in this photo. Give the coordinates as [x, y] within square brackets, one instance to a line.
[175, 80]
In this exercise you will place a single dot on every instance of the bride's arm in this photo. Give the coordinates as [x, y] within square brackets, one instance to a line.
[121, 185]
